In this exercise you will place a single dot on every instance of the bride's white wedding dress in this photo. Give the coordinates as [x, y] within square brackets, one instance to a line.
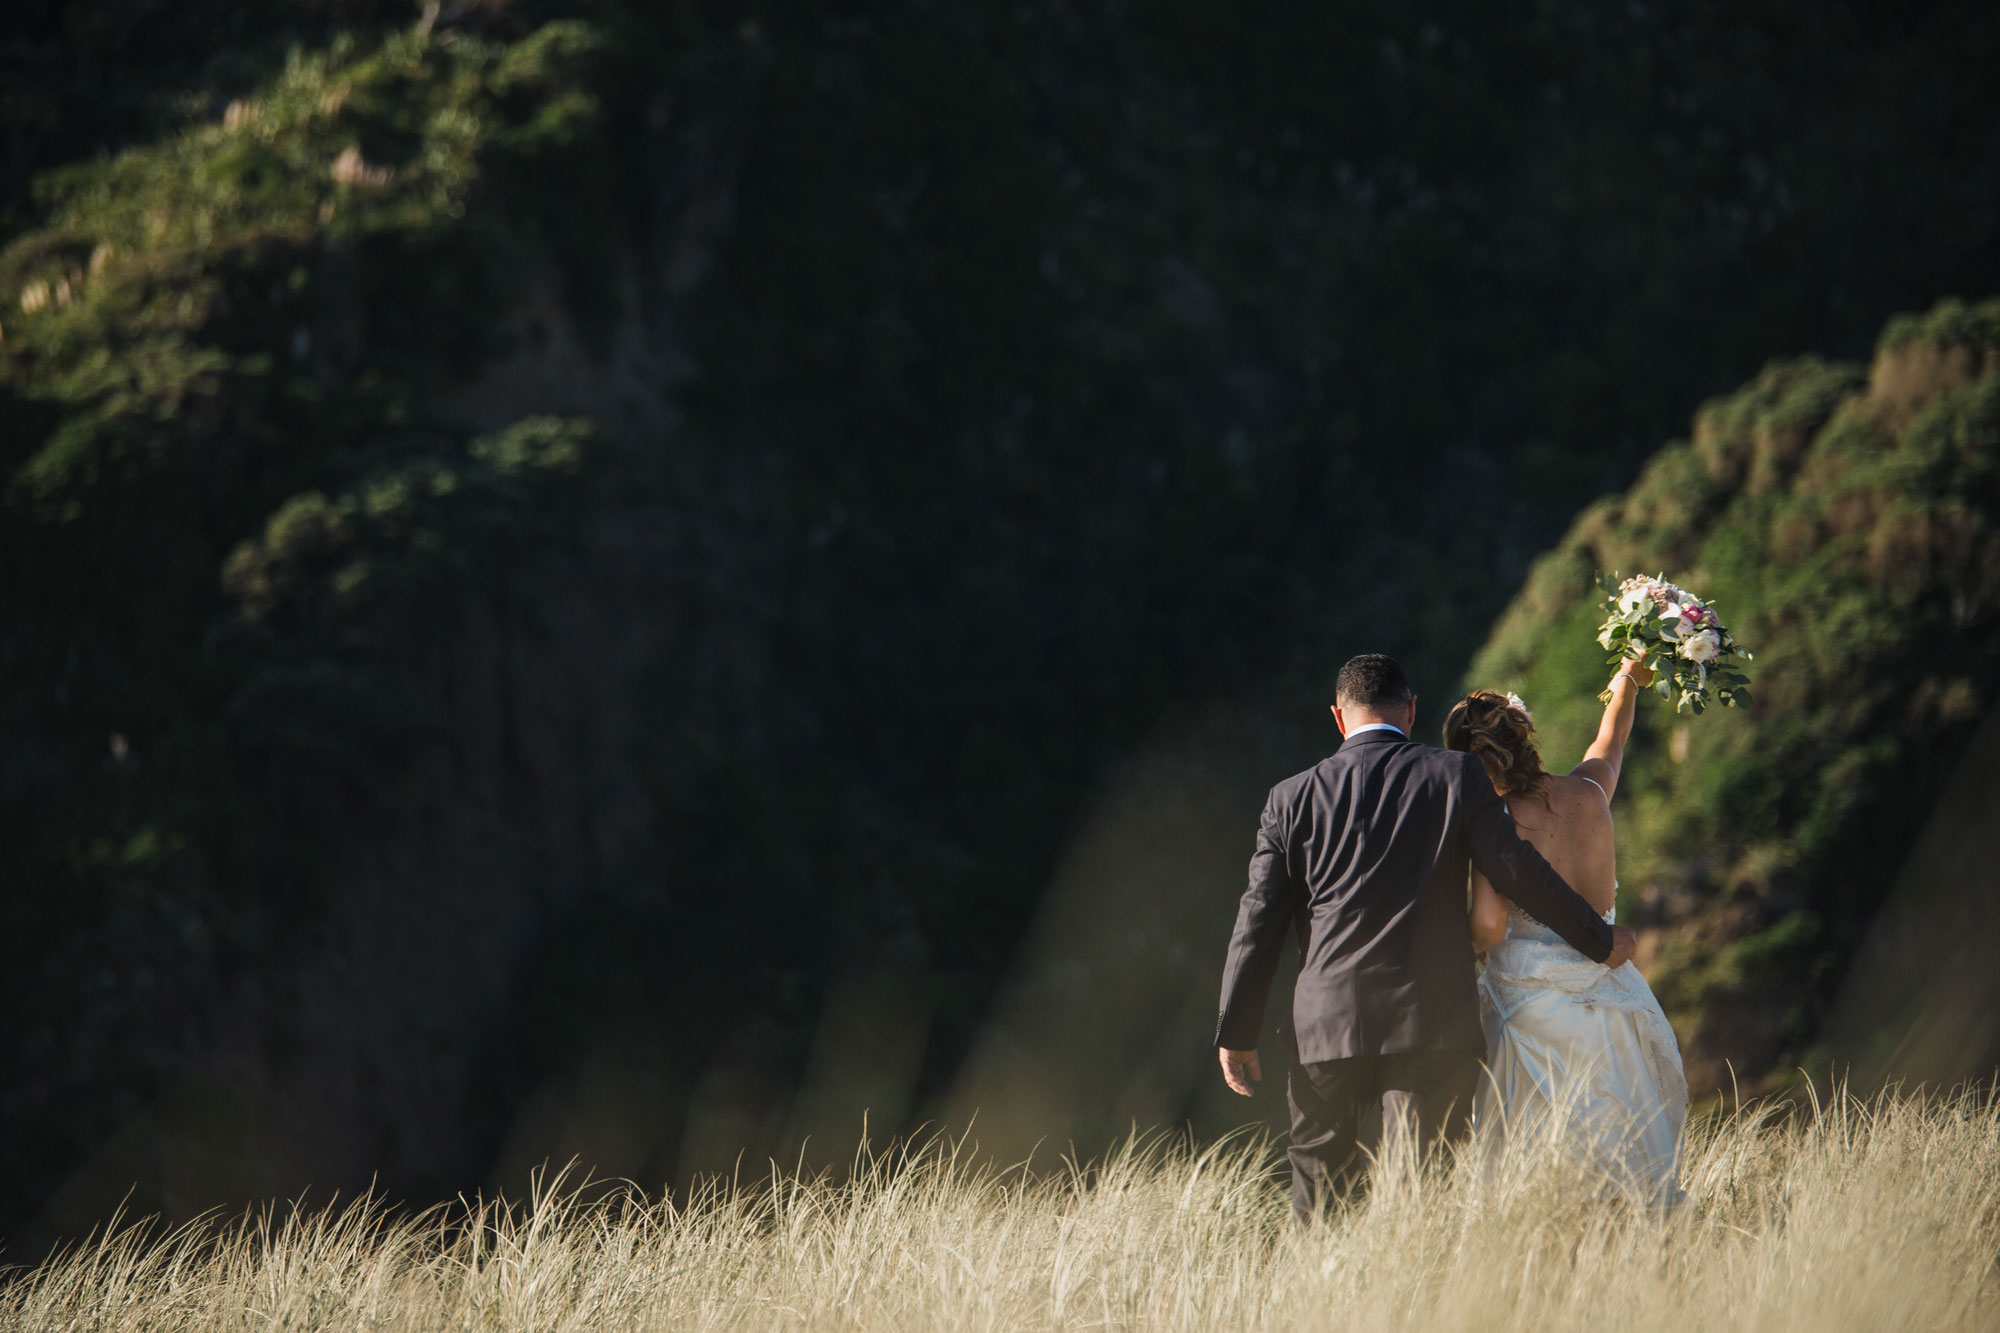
[1563, 1031]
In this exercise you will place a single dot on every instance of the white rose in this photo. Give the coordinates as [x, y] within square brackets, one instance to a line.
[1633, 600]
[1677, 623]
[1703, 647]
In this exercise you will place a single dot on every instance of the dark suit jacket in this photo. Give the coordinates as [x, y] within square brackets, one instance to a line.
[1365, 855]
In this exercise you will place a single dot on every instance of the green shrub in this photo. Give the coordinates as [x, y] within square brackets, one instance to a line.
[1854, 544]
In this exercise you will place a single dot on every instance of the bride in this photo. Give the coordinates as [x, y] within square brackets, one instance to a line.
[1561, 1030]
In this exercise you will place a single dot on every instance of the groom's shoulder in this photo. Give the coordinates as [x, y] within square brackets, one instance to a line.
[1401, 749]
[1414, 753]
[1456, 762]
[1414, 756]
[1300, 785]
[1351, 757]
[1434, 754]
[1300, 780]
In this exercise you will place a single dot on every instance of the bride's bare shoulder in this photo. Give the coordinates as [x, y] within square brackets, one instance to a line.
[1579, 792]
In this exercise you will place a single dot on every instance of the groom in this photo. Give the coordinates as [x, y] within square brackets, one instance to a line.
[1364, 856]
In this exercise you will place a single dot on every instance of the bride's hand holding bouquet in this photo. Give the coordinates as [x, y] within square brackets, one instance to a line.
[1679, 640]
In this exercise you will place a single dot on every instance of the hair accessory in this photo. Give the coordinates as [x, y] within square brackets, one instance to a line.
[1514, 701]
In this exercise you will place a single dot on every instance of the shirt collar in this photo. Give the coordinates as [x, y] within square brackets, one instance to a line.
[1352, 732]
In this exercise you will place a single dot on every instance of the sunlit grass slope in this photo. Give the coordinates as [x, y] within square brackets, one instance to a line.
[1861, 1216]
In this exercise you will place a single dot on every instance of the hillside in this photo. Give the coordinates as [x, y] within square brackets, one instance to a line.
[1846, 521]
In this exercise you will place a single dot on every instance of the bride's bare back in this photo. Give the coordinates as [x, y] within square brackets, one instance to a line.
[1570, 825]
[1569, 822]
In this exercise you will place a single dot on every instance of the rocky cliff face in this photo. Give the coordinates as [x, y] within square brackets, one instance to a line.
[304, 820]
[1846, 520]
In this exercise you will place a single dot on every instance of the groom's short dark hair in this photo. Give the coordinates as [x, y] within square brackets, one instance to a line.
[1372, 681]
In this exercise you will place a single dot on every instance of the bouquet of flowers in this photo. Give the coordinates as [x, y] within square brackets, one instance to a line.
[1679, 636]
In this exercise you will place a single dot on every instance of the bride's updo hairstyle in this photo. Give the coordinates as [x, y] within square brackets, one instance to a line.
[1500, 734]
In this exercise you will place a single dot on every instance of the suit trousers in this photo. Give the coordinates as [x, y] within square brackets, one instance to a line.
[1339, 1106]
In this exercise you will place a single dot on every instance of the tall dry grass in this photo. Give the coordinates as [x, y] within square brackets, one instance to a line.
[1878, 1215]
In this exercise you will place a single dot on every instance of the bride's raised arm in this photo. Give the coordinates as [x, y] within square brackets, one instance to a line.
[1606, 754]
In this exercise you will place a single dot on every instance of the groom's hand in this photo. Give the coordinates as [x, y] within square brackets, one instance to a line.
[1240, 1070]
[1624, 943]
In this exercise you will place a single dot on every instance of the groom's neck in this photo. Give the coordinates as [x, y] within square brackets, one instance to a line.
[1352, 717]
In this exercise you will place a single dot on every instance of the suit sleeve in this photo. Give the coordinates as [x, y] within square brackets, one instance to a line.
[1519, 872]
[1271, 904]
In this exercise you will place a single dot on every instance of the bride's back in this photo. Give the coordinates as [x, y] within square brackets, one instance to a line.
[1569, 823]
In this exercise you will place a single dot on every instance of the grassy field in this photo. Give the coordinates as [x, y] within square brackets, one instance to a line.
[1878, 1215]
